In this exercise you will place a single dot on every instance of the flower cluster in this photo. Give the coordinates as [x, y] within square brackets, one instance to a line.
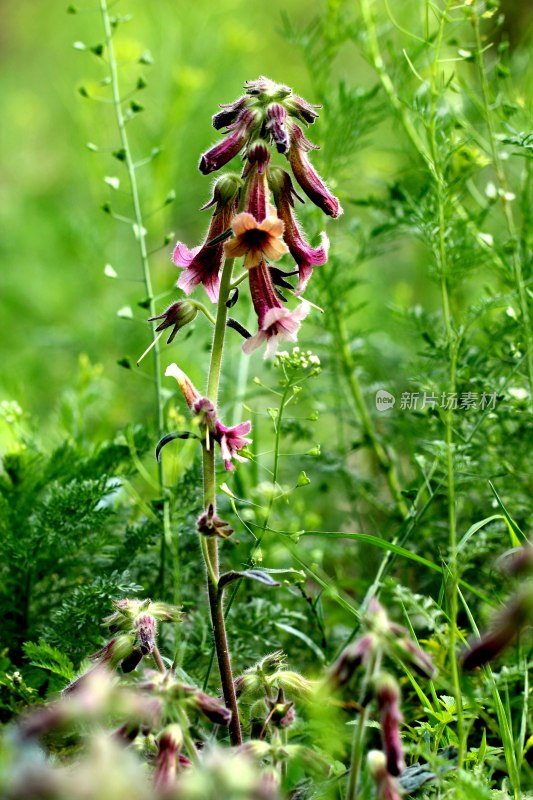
[256, 209]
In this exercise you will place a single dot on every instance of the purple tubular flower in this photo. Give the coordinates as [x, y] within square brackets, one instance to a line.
[215, 711]
[420, 661]
[170, 742]
[228, 148]
[388, 698]
[305, 256]
[308, 178]
[517, 613]
[230, 113]
[301, 109]
[386, 786]
[274, 321]
[351, 658]
[231, 440]
[203, 263]
[276, 117]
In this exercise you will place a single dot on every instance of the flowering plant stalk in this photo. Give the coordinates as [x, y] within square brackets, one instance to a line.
[246, 223]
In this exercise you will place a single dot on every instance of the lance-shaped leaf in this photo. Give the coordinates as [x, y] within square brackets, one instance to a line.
[259, 575]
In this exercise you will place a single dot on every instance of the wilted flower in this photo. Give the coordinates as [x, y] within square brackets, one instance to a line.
[176, 316]
[209, 524]
[228, 148]
[203, 263]
[308, 178]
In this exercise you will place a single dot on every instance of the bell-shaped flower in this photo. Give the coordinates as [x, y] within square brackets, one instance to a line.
[305, 256]
[238, 134]
[203, 263]
[275, 322]
[256, 240]
[308, 178]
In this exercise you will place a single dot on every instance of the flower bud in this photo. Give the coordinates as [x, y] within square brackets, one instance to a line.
[276, 116]
[231, 145]
[146, 627]
[229, 114]
[301, 109]
[176, 316]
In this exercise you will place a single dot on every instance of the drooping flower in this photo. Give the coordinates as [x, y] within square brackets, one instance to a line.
[203, 263]
[170, 742]
[308, 178]
[229, 114]
[274, 320]
[301, 109]
[232, 144]
[306, 257]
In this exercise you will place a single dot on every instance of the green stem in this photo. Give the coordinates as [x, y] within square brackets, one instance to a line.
[452, 345]
[145, 266]
[210, 545]
[507, 209]
[385, 462]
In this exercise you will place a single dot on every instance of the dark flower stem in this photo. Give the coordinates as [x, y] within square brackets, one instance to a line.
[210, 544]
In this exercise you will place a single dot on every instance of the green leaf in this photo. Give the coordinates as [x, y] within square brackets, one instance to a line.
[46, 657]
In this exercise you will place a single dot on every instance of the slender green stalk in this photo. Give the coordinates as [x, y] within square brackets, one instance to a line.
[384, 460]
[507, 209]
[140, 235]
[452, 345]
[210, 546]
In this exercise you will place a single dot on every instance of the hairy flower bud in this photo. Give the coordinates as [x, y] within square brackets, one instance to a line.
[276, 116]
[209, 524]
[176, 316]
[212, 709]
[146, 627]
[307, 177]
[232, 144]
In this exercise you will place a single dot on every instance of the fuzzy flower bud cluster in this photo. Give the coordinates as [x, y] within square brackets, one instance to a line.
[253, 213]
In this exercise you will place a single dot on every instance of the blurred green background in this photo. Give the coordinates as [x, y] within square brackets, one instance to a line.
[55, 240]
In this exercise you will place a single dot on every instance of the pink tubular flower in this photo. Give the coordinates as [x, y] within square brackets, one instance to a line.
[305, 256]
[231, 440]
[308, 178]
[386, 786]
[275, 321]
[228, 148]
[203, 263]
